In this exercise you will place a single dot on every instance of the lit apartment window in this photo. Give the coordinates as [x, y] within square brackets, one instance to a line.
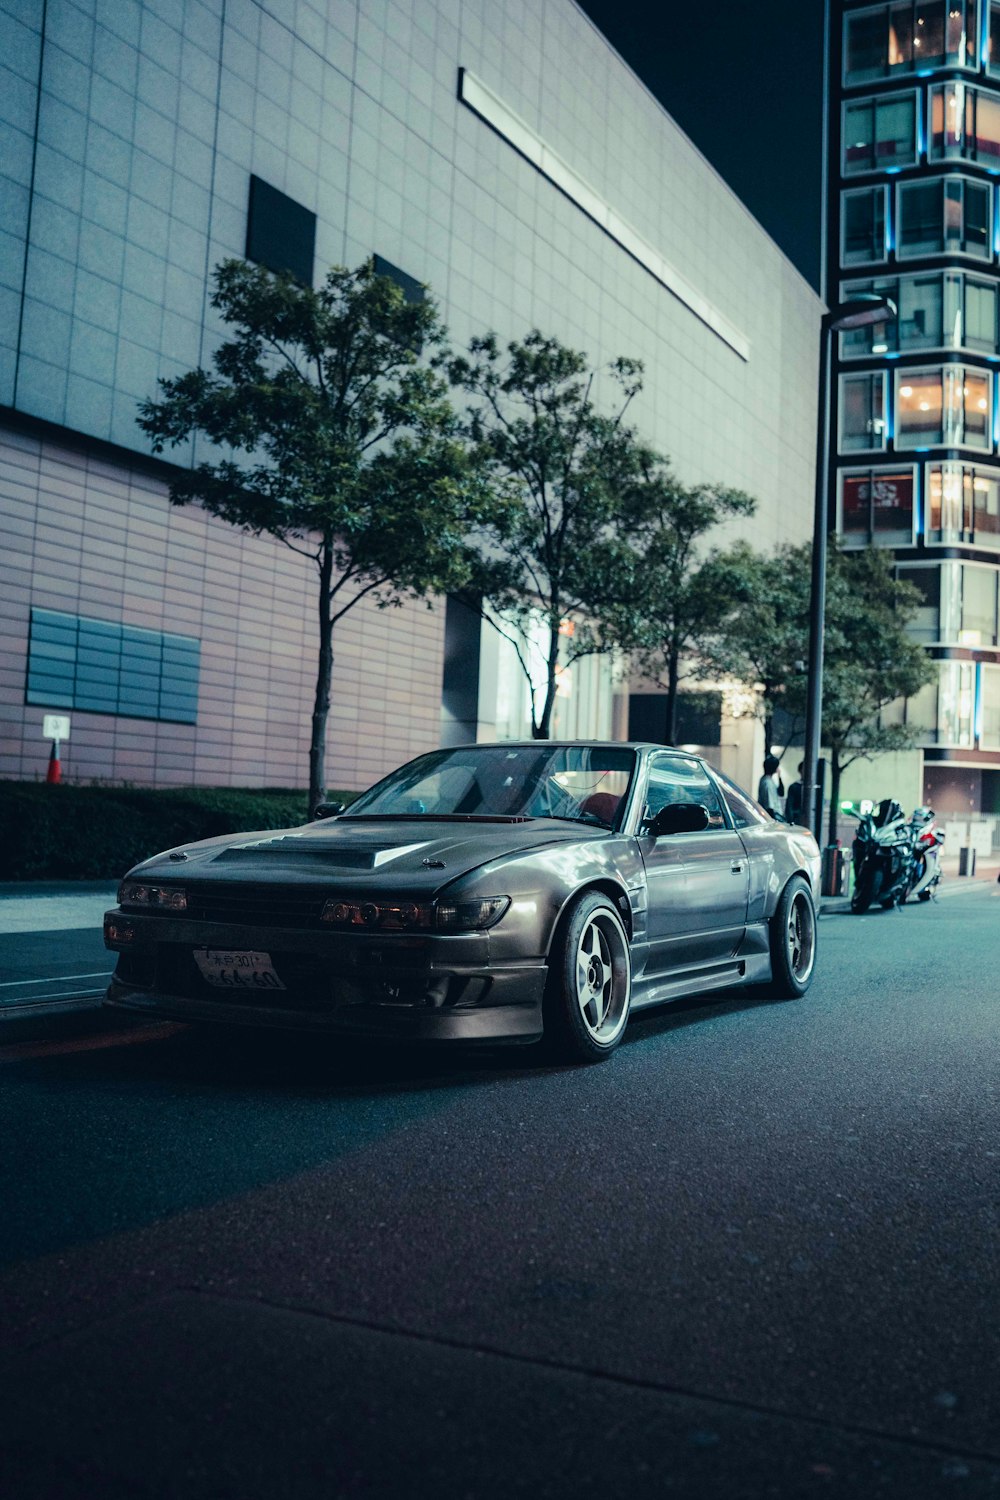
[993, 44]
[946, 215]
[963, 505]
[862, 412]
[956, 702]
[863, 222]
[908, 36]
[875, 338]
[876, 505]
[937, 310]
[926, 624]
[978, 625]
[949, 406]
[880, 134]
[989, 706]
[965, 125]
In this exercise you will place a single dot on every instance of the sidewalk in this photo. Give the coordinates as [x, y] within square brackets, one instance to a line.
[952, 884]
[54, 906]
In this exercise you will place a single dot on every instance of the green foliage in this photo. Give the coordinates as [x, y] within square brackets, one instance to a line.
[869, 659]
[347, 447]
[551, 547]
[763, 636]
[678, 596]
[97, 833]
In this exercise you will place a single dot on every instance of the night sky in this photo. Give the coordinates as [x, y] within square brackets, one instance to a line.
[745, 83]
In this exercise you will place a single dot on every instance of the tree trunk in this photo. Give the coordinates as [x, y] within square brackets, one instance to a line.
[543, 729]
[673, 679]
[835, 771]
[324, 675]
[768, 732]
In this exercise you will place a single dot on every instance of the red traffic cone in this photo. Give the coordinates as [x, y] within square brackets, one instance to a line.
[54, 774]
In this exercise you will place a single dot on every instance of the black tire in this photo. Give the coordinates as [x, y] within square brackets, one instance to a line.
[866, 890]
[590, 982]
[924, 895]
[792, 932]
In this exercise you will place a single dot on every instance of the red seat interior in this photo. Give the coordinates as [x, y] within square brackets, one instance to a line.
[603, 805]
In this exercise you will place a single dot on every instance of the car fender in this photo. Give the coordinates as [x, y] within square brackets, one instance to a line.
[543, 883]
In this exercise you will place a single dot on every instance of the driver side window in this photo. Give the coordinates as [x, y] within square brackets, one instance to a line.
[674, 778]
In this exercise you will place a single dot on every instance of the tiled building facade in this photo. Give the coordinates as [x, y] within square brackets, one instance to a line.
[496, 150]
[915, 215]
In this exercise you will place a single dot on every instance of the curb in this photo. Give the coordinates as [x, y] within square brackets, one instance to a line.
[959, 885]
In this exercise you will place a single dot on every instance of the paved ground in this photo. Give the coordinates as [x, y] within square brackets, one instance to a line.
[754, 1255]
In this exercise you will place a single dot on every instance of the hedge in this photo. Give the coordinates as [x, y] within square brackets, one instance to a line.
[70, 832]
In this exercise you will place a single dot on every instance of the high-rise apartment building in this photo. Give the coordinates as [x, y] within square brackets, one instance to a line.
[914, 213]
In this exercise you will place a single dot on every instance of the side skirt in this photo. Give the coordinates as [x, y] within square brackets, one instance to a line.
[752, 968]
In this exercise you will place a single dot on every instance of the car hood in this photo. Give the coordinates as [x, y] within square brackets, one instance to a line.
[366, 852]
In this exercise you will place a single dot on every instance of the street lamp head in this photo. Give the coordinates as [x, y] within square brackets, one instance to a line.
[860, 311]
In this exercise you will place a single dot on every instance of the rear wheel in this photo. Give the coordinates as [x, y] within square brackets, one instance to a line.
[793, 941]
[590, 982]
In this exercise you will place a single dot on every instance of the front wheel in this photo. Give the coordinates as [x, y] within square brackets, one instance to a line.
[793, 941]
[590, 982]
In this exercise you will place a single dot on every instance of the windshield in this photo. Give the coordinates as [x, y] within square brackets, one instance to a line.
[584, 783]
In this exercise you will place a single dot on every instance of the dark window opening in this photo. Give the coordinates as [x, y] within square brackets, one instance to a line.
[281, 234]
[412, 289]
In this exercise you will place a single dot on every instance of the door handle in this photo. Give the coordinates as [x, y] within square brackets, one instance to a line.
[736, 867]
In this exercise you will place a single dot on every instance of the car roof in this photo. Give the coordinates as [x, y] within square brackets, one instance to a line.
[573, 745]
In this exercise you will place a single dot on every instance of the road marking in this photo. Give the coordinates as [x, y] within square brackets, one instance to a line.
[13, 1000]
[8, 984]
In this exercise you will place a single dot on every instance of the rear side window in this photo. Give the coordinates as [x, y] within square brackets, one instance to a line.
[744, 810]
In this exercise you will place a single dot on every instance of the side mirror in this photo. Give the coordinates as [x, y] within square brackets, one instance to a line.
[678, 817]
[328, 809]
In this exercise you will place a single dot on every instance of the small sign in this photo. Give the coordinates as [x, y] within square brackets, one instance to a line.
[55, 727]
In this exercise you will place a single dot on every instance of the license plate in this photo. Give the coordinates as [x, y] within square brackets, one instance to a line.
[237, 971]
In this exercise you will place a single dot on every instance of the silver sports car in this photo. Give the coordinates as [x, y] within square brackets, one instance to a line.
[490, 893]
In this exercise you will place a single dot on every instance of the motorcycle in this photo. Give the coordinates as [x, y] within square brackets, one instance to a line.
[926, 838]
[883, 856]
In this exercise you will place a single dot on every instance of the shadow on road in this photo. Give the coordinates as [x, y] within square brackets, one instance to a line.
[136, 1126]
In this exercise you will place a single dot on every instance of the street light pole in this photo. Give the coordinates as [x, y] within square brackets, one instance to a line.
[867, 308]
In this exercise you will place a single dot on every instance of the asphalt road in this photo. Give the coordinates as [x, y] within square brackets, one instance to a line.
[754, 1255]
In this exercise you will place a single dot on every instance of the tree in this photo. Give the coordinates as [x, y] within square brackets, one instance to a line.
[552, 552]
[869, 662]
[679, 597]
[763, 636]
[348, 446]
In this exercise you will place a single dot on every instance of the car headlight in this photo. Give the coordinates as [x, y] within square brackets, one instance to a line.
[162, 897]
[387, 915]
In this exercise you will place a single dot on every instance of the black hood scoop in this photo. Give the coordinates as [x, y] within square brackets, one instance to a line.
[326, 857]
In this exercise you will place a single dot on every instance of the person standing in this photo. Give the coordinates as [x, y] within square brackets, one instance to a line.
[770, 788]
[793, 802]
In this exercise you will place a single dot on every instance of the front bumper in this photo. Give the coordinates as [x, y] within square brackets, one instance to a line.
[422, 988]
